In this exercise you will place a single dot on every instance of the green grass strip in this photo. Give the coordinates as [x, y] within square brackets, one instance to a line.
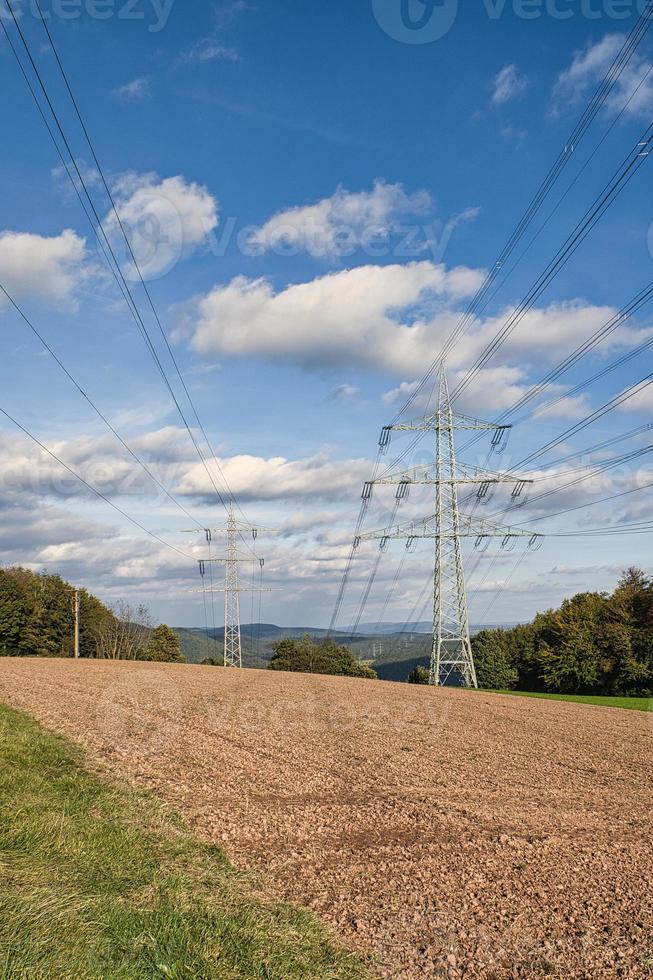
[98, 880]
[630, 704]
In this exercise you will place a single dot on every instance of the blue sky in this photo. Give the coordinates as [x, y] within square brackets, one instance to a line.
[314, 193]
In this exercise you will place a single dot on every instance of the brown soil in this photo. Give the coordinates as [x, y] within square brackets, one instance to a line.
[442, 833]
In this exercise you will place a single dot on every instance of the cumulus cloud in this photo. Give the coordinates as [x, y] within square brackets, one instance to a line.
[255, 478]
[509, 84]
[497, 387]
[165, 220]
[393, 319]
[589, 66]
[31, 529]
[372, 316]
[50, 269]
[27, 473]
[344, 220]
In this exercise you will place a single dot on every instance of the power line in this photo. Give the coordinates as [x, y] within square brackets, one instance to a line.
[89, 486]
[618, 320]
[131, 251]
[599, 98]
[607, 84]
[115, 266]
[637, 527]
[598, 413]
[593, 503]
[617, 183]
[28, 322]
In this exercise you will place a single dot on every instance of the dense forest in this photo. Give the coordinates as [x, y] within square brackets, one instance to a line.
[596, 643]
[37, 620]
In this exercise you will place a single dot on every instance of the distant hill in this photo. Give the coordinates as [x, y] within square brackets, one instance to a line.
[374, 629]
[392, 652]
[257, 641]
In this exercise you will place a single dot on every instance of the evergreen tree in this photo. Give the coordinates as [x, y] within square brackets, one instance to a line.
[163, 646]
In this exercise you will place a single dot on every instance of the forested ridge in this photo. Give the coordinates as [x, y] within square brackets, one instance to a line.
[37, 620]
[595, 643]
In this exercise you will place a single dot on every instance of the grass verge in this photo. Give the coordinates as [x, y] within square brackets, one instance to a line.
[630, 704]
[98, 880]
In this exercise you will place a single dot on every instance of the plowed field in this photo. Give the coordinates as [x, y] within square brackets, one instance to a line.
[441, 833]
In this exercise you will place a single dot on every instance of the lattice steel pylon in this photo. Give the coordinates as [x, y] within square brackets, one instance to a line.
[452, 660]
[233, 655]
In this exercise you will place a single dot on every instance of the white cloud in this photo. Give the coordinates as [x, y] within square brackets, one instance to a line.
[344, 220]
[563, 407]
[378, 317]
[393, 319]
[28, 474]
[47, 268]
[138, 88]
[509, 84]
[255, 478]
[208, 49]
[343, 393]
[212, 47]
[590, 65]
[165, 219]
[641, 400]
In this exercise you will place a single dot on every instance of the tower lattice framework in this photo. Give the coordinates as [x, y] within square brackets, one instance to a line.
[234, 531]
[452, 660]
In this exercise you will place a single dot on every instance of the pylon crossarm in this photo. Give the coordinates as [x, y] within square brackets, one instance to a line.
[465, 474]
[237, 526]
[244, 589]
[222, 560]
[470, 527]
[447, 421]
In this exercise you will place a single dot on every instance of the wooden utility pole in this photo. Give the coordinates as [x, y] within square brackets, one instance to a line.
[76, 609]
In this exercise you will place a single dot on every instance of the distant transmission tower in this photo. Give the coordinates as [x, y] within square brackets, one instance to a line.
[235, 529]
[451, 652]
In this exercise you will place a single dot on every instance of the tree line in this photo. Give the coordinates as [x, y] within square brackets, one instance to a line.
[308, 656]
[595, 643]
[37, 619]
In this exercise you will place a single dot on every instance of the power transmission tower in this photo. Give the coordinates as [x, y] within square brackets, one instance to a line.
[235, 530]
[233, 656]
[451, 652]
